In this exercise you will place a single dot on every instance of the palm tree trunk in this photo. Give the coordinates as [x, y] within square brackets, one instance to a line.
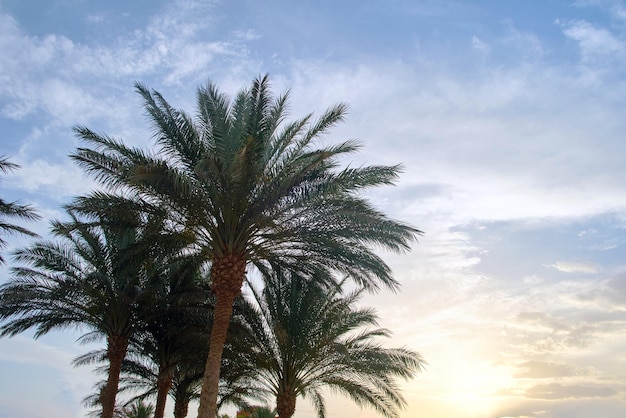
[285, 404]
[116, 352]
[164, 383]
[181, 408]
[227, 275]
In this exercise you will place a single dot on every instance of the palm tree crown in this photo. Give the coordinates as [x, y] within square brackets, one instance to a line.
[308, 337]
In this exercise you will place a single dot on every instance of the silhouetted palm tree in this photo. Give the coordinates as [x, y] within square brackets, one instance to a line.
[170, 356]
[13, 210]
[174, 334]
[254, 189]
[309, 337]
[100, 274]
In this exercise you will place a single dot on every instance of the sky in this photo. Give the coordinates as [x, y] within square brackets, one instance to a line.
[507, 117]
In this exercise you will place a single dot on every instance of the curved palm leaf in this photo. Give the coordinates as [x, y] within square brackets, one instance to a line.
[13, 210]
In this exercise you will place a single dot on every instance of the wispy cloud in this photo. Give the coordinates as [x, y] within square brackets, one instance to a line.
[575, 267]
[594, 42]
[556, 391]
[541, 370]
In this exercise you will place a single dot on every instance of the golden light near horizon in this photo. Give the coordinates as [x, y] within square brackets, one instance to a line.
[465, 384]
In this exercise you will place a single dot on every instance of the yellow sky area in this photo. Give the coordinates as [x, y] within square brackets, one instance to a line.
[492, 360]
[458, 383]
[458, 391]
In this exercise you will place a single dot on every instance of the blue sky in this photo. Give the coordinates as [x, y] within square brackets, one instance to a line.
[508, 120]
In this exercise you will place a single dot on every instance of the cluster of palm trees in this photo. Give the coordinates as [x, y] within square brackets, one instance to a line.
[155, 262]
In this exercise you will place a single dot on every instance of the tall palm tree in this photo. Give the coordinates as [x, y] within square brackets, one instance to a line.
[165, 338]
[185, 387]
[99, 275]
[169, 355]
[172, 335]
[13, 210]
[257, 190]
[309, 337]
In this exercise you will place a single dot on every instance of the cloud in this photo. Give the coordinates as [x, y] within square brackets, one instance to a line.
[567, 408]
[542, 370]
[541, 333]
[45, 367]
[575, 267]
[556, 391]
[527, 45]
[57, 181]
[506, 144]
[45, 71]
[479, 45]
[593, 42]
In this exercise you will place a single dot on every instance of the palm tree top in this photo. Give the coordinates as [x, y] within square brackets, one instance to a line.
[254, 185]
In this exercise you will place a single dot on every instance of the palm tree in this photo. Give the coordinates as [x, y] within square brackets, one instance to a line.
[172, 335]
[168, 354]
[13, 210]
[185, 387]
[139, 410]
[256, 412]
[99, 275]
[257, 190]
[170, 357]
[263, 412]
[166, 338]
[310, 337]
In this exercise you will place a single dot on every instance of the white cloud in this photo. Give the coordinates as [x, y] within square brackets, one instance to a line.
[45, 72]
[247, 35]
[593, 42]
[535, 369]
[503, 145]
[526, 44]
[95, 18]
[61, 391]
[58, 182]
[575, 267]
[479, 45]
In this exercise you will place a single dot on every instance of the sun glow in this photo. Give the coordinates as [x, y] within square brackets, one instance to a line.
[468, 387]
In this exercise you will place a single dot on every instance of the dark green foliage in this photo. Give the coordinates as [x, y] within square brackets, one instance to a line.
[255, 189]
[250, 183]
[308, 337]
[138, 409]
[13, 210]
[102, 274]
